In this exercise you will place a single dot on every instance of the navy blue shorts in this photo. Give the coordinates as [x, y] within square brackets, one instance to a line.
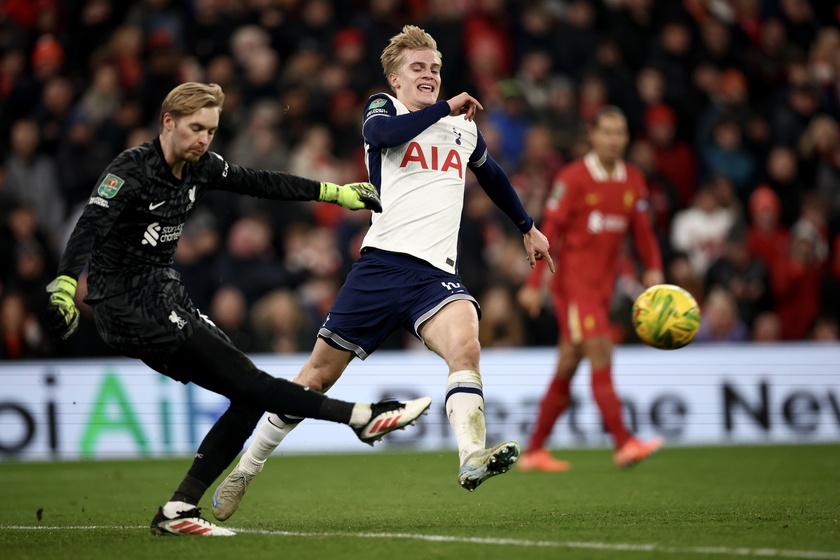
[385, 291]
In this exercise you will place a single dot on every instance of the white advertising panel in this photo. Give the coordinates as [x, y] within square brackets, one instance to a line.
[698, 395]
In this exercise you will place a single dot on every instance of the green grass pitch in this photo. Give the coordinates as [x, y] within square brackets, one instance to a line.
[684, 503]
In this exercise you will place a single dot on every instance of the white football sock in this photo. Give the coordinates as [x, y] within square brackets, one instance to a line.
[361, 415]
[465, 410]
[172, 509]
[269, 435]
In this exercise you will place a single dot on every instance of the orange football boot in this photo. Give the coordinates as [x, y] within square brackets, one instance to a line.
[635, 450]
[541, 460]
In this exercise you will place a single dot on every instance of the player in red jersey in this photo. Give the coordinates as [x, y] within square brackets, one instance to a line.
[595, 201]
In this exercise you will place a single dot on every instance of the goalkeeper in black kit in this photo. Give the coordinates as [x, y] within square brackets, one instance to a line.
[127, 235]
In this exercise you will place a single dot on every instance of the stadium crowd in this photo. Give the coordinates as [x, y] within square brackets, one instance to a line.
[733, 108]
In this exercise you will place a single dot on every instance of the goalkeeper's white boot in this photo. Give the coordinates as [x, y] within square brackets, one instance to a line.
[229, 494]
[187, 522]
[481, 465]
[387, 416]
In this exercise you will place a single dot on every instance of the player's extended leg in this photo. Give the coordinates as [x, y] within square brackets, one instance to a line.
[227, 371]
[323, 368]
[628, 450]
[452, 333]
[553, 404]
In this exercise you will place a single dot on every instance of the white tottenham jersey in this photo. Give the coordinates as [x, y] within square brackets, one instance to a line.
[421, 185]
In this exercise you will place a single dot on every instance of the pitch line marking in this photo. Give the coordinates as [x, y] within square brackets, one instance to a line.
[755, 552]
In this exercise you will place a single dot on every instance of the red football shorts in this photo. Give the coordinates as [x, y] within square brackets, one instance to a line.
[581, 316]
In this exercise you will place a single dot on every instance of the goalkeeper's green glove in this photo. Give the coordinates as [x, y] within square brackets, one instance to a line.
[355, 196]
[62, 315]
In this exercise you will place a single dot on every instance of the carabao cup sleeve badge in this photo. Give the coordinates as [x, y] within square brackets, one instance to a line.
[109, 186]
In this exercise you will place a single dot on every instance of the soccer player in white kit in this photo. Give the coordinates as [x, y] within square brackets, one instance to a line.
[417, 152]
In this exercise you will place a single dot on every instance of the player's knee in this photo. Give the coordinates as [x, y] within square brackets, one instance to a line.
[462, 354]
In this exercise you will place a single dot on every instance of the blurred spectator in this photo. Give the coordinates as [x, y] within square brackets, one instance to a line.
[742, 275]
[716, 46]
[792, 113]
[635, 25]
[767, 60]
[310, 252]
[124, 51]
[767, 240]
[54, 113]
[577, 39]
[501, 319]
[726, 156]
[81, 158]
[259, 144]
[103, 96]
[21, 336]
[819, 148]
[825, 329]
[280, 326]
[782, 175]
[680, 272]
[535, 81]
[721, 322]
[248, 260]
[259, 78]
[799, 19]
[672, 54]
[210, 28]
[538, 165]
[563, 118]
[511, 119]
[609, 65]
[161, 21]
[33, 178]
[796, 280]
[592, 98]
[488, 52]
[831, 282]
[662, 195]
[229, 311]
[47, 62]
[675, 159]
[30, 274]
[700, 230]
[730, 98]
[767, 328]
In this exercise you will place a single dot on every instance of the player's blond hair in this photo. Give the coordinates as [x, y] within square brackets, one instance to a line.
[411, 38]
[191, 97]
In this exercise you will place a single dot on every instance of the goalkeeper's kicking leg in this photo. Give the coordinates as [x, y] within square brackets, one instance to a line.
[319, 373]
[215, 364]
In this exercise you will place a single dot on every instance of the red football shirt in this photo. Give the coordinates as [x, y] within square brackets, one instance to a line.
[587, 216]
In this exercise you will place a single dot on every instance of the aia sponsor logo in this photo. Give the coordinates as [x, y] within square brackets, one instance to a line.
[433, 159]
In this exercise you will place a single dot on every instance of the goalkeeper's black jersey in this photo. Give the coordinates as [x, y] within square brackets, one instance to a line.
[130, 227]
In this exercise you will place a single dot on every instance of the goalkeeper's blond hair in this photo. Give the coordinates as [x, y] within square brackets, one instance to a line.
[411, 38]
[190, 97]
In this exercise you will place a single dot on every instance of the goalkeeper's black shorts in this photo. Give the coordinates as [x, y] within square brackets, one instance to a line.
[151, 323]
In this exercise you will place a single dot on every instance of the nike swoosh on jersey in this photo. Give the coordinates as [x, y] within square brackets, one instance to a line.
[152, 205]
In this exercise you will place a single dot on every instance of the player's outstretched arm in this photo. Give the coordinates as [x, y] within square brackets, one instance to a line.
[536, 247]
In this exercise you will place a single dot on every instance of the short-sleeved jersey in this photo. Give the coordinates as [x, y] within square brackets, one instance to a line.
[421, 184]
[130, 228]
[591, 212]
